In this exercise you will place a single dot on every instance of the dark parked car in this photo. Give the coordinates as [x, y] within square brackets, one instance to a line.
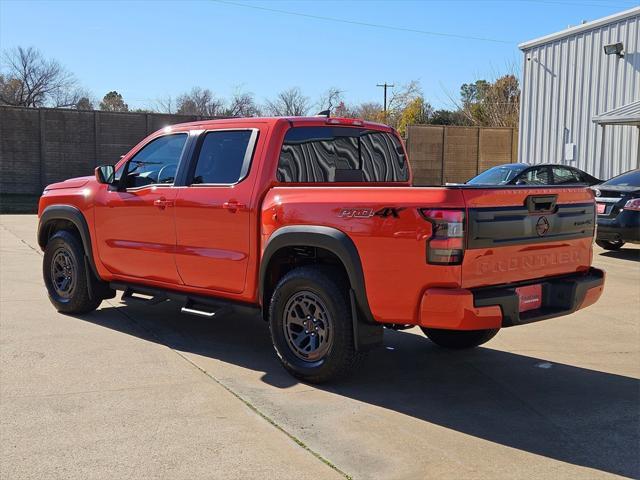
[618, 207]
[525, 174]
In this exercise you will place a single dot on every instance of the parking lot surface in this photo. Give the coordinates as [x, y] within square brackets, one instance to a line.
[133, 391]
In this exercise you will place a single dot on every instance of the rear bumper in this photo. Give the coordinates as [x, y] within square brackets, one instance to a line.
[625, 226]
[497, 307]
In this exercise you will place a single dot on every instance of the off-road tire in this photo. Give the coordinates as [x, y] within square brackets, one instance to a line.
[459, 339]
[65, 244]
[609, 245]
[326, 286]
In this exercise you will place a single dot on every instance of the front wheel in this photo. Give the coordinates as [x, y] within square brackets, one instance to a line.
[610, 245]
[65, 275]
[459, 339]
[311, 326]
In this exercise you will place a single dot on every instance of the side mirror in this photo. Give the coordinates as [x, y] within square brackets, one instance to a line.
[521, 182]
[106, 174]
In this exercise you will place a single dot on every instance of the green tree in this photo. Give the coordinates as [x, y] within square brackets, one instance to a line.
[471, 93]
[449, 117]
[84, 103]
[416, 112]
[113, 102]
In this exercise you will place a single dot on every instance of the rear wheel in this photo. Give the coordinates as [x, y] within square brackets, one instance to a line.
[610, 245]
[65, 275]
[459, 339]
[310, 325]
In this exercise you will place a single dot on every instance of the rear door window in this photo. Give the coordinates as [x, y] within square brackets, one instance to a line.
[341, 154]
[223, 157]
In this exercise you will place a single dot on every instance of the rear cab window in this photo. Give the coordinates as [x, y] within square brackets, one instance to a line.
[341, 154]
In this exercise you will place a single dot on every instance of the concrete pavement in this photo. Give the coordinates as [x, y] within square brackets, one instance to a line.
[136, 391]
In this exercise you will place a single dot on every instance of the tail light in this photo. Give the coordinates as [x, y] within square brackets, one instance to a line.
[446, 245]
[633, 204]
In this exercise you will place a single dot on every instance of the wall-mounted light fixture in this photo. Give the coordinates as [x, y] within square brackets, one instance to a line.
[614, 49]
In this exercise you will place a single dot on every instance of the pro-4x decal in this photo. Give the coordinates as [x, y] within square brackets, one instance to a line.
[384, 212]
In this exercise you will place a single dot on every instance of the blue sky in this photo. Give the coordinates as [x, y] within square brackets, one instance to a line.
[150, 49]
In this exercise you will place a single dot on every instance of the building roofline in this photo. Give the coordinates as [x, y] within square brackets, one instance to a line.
[628, 114]
[632, 12]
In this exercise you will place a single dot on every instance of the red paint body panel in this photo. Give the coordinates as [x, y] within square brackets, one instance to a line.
[453, 309]
[135, 237]
[197, 245]
[592, 296]
[392, 250]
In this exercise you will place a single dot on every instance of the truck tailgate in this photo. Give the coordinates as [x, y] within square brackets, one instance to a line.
[523, 233]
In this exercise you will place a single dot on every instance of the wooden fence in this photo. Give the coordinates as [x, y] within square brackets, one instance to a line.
[446, 154]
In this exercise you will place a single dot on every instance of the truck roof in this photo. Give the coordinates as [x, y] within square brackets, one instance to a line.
[294, 121]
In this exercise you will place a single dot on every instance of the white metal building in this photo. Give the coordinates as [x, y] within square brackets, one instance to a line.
[580, 102]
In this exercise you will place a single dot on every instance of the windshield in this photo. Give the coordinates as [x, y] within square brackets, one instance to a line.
[497, 175]
[628, 179]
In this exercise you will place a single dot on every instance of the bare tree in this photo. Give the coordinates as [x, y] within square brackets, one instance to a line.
[165, 105]
[330, 99]
[28, 79]
[371, 111]
[502, 102]
[289, 103]
[200, 101]
[489, 103]
[344, 111]
[242, 104]
[401, 97]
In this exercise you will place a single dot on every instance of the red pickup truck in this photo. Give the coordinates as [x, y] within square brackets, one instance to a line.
[314, 223]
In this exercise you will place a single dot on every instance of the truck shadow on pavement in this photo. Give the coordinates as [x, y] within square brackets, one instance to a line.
[575, 415]
[623, 254]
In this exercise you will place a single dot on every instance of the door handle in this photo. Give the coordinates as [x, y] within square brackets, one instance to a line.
[163, 203]
[233, 206]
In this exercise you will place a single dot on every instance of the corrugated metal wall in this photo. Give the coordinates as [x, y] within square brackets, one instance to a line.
[566, 82]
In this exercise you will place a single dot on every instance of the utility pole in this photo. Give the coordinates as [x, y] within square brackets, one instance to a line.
[385, 85]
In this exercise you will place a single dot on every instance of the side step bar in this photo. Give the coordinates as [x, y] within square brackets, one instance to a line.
[200, 305]
[131, 294]
[193, 308]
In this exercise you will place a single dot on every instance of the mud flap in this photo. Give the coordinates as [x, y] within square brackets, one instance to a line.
[366, 336]
[97, 288]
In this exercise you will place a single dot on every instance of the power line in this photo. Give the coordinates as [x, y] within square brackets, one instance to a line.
[365, 24]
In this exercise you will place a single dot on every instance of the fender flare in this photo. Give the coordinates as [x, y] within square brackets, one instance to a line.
[73, 215]
[328, 238]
